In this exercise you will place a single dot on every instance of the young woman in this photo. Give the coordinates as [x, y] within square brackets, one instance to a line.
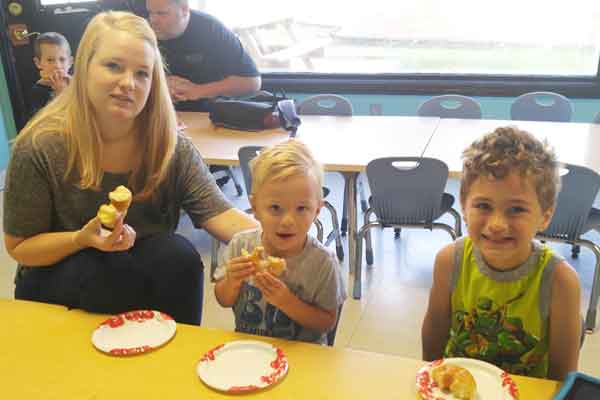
[113, 125]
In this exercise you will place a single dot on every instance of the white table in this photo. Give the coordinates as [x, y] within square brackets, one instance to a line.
[342, 144]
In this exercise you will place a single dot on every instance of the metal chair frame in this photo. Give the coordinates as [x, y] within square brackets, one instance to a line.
[430, 175]
[573, 217]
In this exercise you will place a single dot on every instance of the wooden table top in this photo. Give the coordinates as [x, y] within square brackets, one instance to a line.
[46, 353]
[340, 143]
[575, 143]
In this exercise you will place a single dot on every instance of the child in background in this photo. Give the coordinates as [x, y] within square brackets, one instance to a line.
[52, 57]
[302, 303]
[497, 294]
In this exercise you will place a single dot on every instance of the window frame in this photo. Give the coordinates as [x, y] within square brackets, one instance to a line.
[426, 84]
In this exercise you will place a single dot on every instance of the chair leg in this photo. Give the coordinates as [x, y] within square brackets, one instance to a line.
[357, 289]
[214, 258]
[360, 235]
[238, 187]
[361, 194]
[457, 222]
[319, 227]
[335, 232]
[575, 249]
[344, 222]
[397, 233]
[368, 243]
[590, 319]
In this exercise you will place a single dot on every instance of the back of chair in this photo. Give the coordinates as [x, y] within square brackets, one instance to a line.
[597, 118]
[325, 104]
[245, 155]
[407, 189]
[579, 186]
[541, 106]
[450, 106]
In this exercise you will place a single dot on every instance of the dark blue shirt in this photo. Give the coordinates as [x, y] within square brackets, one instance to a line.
[207, 51]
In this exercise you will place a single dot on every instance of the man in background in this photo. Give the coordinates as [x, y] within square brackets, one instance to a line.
[204, 58]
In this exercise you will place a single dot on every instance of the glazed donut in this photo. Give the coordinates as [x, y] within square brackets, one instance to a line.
[262, 262]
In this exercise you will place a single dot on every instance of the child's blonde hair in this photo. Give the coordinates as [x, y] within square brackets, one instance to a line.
[54, 38]
[498, 153]
[290, 158]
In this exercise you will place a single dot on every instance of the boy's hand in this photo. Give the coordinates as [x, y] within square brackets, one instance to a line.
[239, 269]
[59, 80]
[275, 291]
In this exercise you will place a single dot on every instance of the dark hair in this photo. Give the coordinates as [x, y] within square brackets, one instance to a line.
[498, 153]
[49, 38]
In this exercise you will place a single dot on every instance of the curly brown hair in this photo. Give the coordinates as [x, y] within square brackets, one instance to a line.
[506, 149]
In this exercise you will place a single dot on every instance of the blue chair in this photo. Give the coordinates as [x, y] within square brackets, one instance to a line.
[541, 106]
[450, 106]
[335, 105]
[574, 216]
[325, 104]
[405, 192]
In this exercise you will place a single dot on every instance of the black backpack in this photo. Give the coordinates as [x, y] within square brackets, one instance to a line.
[262, 111]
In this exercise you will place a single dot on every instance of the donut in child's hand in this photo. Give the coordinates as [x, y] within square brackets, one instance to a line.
[262, 262]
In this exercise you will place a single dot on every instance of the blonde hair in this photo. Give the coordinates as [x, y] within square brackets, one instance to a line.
[507, 149]
[71, 113]
[290, 158]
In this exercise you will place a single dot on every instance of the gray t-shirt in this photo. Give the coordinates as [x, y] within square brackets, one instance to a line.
[313, 276]
[37, 199]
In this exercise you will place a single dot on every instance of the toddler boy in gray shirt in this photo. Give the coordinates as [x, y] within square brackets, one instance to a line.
[302, 303]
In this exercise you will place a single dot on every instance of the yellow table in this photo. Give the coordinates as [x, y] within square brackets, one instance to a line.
[46, 353]
[342, 144]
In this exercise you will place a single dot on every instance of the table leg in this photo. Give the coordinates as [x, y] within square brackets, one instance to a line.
[350, 200]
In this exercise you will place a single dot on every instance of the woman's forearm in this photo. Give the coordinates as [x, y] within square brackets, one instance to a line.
[45, 249]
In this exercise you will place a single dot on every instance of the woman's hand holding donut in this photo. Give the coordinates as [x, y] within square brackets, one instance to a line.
[121, 238]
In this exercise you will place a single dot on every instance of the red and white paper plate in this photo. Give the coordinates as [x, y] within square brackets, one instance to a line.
[242, 366]
[492, 382]
[134, 332]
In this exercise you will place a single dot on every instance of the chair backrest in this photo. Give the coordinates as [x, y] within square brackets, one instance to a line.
[325, 104]
[541, 106]
[407, 189]
[245, 154]
[579, 186]
[450, 106]
[597, 118]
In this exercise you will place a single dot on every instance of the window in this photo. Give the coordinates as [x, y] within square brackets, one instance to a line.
[431, 38]
[46, 3]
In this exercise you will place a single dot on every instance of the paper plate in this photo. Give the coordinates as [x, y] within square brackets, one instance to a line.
[134, 332]
[492, 382]
[242, 366]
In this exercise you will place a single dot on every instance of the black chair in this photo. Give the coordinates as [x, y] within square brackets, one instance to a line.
[574, 216]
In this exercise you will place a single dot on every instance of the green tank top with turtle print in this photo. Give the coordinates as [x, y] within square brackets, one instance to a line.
[501, 316]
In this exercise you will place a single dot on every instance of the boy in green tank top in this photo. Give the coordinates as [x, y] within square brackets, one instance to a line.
[498, 295]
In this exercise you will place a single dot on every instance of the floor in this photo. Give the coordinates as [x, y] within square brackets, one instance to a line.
[388, 317]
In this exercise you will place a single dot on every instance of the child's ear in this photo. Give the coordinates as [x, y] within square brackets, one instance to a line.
[546, 218]
[36, 61]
